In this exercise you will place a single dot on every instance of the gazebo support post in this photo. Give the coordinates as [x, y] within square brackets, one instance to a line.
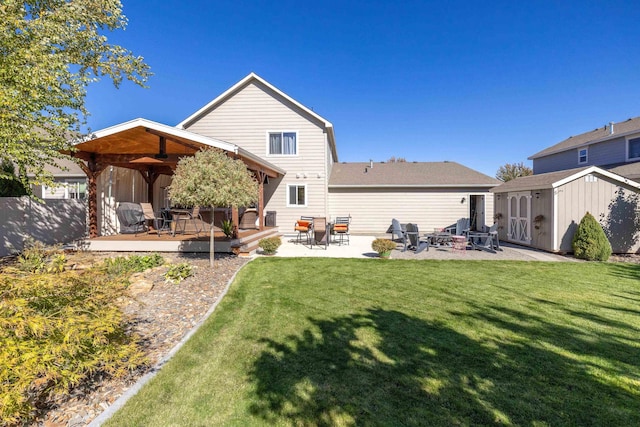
[92, 169]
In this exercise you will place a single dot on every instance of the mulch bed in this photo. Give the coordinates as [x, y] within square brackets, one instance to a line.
[160, 317]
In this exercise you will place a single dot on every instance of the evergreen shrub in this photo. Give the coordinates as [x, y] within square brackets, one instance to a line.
[589, 241]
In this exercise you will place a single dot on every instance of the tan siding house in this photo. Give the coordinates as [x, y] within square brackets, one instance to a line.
[248, 115]
[544, 210]
[432, 195]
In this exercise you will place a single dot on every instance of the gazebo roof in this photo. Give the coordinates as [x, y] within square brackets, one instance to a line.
[143, 143]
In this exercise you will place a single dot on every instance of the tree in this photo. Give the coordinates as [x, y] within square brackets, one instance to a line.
[511, 171]
[10, 184]
[589, 241]
[394, 159]
[50, 51]
[211, 178]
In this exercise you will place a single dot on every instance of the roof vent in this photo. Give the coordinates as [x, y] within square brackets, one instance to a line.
[371, 163]
[610, 128]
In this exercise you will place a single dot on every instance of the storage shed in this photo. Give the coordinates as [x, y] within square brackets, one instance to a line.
[544, 210]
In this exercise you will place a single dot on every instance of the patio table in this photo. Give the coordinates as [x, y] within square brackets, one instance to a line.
[439, 238]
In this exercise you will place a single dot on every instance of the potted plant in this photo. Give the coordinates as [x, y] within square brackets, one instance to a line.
[227, 228]
[270, 245]
[383, 247]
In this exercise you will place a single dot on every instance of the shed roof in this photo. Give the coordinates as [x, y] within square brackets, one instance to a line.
[556, 179]
[408, 174]
[601, 134]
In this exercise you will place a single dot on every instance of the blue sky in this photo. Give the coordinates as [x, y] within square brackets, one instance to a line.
[480, 83]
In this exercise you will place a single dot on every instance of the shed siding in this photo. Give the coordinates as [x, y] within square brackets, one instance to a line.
[583, 195]
[245, 120]
[373, 209]
[542, 207]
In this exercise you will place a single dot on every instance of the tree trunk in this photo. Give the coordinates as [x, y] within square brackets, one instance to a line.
[211, 241]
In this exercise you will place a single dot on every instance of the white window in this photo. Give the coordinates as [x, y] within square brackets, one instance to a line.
[283, 143]
[67, 188]
[582, 155]
[633, 149]
[296, 195]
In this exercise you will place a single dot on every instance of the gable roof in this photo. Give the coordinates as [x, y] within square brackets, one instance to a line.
[407, 174]
[251, 78]
[556, 179]
[604, 133]
[117, 139]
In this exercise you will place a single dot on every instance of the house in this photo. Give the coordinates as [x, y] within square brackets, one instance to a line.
[430, 194]
[614, 147]
[70, 179]
[543, 210]
[293, 154]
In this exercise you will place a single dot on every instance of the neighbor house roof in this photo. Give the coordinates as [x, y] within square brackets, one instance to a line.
[252, 77]
[555, 179]
[604, 133]
[407, 174]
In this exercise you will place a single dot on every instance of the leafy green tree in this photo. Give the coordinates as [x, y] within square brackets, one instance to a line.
[211, 178]
[510, 171]
[10, 185]
[50, 51]
[589, 241]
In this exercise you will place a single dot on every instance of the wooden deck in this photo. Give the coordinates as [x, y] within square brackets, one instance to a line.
[187, 242]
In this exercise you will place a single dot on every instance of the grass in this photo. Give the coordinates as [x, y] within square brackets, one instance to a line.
[363, 342]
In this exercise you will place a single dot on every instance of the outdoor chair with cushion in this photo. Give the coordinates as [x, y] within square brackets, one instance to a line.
[341, 228]
[196, 220]
[304, 226]
[158, 221]
[248, 219]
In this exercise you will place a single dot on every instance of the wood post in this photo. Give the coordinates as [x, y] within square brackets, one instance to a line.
[92, 170]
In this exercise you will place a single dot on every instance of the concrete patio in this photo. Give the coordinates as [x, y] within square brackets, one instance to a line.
[360, 247]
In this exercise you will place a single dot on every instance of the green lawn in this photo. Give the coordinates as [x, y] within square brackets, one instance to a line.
[370, 342]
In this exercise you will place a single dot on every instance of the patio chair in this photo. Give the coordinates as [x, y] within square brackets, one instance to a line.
[248, 219]
[130, 217]
[149, 215]
[320, 234]
[397, 230]
[488, 241]
[196, 219]
[413, 235]
[461, 228]
[304, 226]
[341, 228]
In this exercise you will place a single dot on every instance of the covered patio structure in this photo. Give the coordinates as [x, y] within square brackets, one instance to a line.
[154, 149]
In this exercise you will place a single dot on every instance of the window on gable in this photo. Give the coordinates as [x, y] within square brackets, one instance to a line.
[284, 143]
[297, 195]
[633, 149]
[582, 155]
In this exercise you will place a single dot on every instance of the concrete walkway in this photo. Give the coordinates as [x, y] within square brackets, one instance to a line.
[360, 247]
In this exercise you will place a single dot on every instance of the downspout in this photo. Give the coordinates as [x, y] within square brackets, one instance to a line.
[325, 179]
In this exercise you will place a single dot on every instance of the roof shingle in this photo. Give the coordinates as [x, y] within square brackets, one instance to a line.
[413, 174]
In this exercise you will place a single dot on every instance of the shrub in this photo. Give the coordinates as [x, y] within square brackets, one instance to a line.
[589, 241]
[55, 331]
[270, 245]
[227, 227]
[383, 245]
[119, 266]
[178, 272]
[37, 258]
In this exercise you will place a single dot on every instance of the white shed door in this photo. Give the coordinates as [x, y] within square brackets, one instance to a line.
[520, 217]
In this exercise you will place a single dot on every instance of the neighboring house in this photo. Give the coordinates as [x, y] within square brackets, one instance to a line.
[615, 147]
[430, 194]
[70, 182]
[544, 210]
[272, 132]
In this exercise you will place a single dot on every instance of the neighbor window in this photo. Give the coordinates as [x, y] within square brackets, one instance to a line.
[67, 188]
[582, 155]
[297, 195]
[284, 143]
[633, 149]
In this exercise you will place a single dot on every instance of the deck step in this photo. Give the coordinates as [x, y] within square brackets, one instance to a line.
[247, 246]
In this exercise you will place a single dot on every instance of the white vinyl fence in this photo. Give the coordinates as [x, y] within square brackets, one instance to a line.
[51, 222]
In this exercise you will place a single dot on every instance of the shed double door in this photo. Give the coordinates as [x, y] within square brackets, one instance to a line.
[520, 217]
